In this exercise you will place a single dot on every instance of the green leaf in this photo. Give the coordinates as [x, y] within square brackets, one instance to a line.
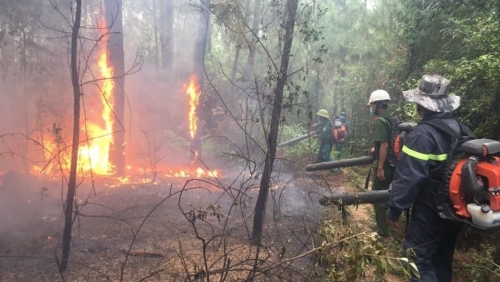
[414, 270]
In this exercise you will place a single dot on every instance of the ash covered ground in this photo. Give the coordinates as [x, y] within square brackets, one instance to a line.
[167, 231]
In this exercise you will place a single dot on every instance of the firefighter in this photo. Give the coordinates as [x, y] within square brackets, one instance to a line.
[419, 173]
[343, 119]
[339, 135]
[324, 134]
[382, 168]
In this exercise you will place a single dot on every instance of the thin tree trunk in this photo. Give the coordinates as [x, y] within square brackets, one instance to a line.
[201, 43]
[260, 207]
[235, 61]
[238, 47]
[24, 62]
[168, 35]
[319, 90]
[68, 213]
[255, 30]
[114, 10]
[155, 32]
[199, 62]
[40, 125]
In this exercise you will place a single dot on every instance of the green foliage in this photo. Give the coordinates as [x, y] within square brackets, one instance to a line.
[459, 41]
[348, 255]
[483, 266]
[300, 151]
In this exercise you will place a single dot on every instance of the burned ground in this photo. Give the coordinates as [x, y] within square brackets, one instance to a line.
[169, 245]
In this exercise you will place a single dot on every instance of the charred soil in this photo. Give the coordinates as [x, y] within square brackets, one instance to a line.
[167, 231]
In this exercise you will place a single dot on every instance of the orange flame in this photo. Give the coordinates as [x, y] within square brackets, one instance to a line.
[193, 91]
[93, 155]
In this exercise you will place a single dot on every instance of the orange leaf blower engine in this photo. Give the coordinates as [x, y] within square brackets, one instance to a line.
[473, 185]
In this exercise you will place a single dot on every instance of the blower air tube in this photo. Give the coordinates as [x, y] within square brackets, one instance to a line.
[372, 197]
[340, 163]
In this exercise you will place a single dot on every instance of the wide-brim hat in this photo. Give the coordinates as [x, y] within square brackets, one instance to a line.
[323, 113]
[432, 94]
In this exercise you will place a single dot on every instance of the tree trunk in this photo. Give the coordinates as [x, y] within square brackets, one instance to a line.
[238, 47]
[235, 62]
[201, 43]
[167, 42]
[24, 65]
[113, 10]
[251, 48]
[260, 207]
[155, 32]
[68, 213]
[199, 61]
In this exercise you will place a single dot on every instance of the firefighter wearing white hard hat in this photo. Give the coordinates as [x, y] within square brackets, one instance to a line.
[384, 170]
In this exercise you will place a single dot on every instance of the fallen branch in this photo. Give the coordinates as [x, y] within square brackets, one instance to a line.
[142, 253]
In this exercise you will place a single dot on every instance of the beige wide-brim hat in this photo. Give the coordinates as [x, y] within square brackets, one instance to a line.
[443, 104]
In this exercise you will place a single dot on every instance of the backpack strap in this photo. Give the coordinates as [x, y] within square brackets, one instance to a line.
[443, 126]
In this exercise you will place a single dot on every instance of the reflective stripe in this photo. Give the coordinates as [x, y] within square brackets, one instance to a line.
[424, 157]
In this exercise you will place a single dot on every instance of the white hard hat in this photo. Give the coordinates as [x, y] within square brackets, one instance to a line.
[379, 95]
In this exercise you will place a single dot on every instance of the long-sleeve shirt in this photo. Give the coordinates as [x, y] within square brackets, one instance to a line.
[324, 132]
[423, 158]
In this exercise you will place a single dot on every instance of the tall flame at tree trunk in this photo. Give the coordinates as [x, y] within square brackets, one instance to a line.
[94, 151]
[94, 154]
[97, 132]
[193, 92]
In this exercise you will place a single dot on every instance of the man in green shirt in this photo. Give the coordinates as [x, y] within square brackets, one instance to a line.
[325, 135]
[382, 135]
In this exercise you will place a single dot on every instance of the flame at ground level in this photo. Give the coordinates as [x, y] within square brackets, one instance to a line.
[146, 176]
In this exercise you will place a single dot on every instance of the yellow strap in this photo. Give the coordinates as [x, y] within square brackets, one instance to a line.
[424, 157]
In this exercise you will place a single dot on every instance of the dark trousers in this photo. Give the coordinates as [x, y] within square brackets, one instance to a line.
[325, 149]
[433, 241]
[338, 150]
[381, 209]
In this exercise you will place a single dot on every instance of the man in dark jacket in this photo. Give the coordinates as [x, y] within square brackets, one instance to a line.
[418, 175]
[325, 135]
[343, 119]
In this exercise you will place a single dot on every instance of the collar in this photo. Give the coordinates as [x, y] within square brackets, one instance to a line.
[384, 114]
[437, 116]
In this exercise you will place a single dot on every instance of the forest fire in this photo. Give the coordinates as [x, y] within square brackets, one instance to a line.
[94, 153]
[97, 139]
[193, 91]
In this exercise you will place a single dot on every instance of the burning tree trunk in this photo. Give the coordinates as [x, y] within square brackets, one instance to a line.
[199, 62]
[68, 213]
[113, 10]
[260, 207]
